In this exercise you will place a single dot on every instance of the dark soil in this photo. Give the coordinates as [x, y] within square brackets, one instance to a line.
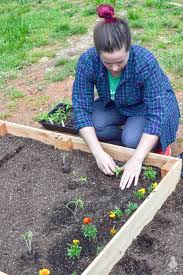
[36, 183]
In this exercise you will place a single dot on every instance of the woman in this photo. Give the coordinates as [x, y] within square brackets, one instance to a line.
[136, 107]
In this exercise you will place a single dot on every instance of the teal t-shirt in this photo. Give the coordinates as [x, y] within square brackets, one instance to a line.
[113, 83]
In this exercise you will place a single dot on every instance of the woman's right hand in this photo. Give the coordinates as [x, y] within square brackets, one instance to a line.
[105, 163]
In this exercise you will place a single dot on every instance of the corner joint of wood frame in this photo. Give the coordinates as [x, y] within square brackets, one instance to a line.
[167, 167]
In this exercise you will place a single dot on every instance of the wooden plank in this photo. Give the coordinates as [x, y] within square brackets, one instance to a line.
[167, 167]
[1, 273]
[68, 142]
[116, 248]
[3, 130]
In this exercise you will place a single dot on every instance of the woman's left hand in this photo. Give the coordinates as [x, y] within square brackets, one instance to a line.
[131, 172]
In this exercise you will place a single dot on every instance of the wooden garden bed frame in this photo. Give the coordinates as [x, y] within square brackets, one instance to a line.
[115, 249]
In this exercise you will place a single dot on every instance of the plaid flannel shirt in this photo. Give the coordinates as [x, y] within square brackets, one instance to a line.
[143, 90]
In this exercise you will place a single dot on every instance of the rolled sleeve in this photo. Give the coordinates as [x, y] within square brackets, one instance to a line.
[83, 93]
[154, 99]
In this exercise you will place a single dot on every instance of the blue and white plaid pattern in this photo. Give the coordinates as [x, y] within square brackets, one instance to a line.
[144, 90]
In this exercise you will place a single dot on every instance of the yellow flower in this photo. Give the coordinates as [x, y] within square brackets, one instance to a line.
[112, 215]
[113, 231]
[44, 271]
[142, 190]
[154, 185]
[76, 242]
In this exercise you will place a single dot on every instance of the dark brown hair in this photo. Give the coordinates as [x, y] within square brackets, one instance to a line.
[112, 33]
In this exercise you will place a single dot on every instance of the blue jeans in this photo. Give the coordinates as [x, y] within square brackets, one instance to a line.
[108, 122]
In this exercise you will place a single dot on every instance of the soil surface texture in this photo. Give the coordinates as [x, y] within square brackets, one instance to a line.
[36, 183]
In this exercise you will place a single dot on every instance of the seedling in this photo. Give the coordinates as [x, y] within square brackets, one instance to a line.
[74, 249]
[118, 171]
[83, 178]
[152, 187]
[74, 273]
[131, 208]
[89, 231]
[76, 205]
[150, 173]
[27, 236]
[140, 194]
[116, 214]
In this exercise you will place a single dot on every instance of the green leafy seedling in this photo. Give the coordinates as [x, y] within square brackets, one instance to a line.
[75, 206]
[150, 173]
[118, 213]
[140, 194]
[27, 236]
[131, 207]
[73, 251]
[118, 171]
[83, 178]
[89, 231]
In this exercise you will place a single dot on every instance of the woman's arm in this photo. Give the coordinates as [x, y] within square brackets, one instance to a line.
[134, 165]
[104, 161]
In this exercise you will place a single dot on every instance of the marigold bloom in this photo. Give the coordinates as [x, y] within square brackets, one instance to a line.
[44, 271]
[113, 231]
[142, 190]
[86, 220]
[154, 185]
[112, 215]
[76, 242]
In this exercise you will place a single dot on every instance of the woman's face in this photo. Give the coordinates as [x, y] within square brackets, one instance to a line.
[115, 61]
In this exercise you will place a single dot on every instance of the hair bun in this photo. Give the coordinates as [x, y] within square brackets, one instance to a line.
[105, 11]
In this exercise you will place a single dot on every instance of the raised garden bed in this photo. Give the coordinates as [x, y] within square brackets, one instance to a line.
[38, 189]
[60, 119]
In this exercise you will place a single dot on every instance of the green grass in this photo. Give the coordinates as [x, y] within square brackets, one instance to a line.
[30, 30]
[63, 69]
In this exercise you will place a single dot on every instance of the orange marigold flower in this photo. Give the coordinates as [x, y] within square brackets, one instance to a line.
[86, 220]
[44, 271]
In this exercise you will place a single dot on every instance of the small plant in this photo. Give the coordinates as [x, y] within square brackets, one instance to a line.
[113, 231]
[150, 173]
[152, 187]
[140, 194]
[118, 171]
[74, 273]
[74, 249]
[44, 271]
[89, 231]
[76, 205]
[116, 214]
[83, 178]
[27, 236]
[131, 208]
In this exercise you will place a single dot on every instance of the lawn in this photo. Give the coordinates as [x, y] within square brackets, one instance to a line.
[34, 29]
